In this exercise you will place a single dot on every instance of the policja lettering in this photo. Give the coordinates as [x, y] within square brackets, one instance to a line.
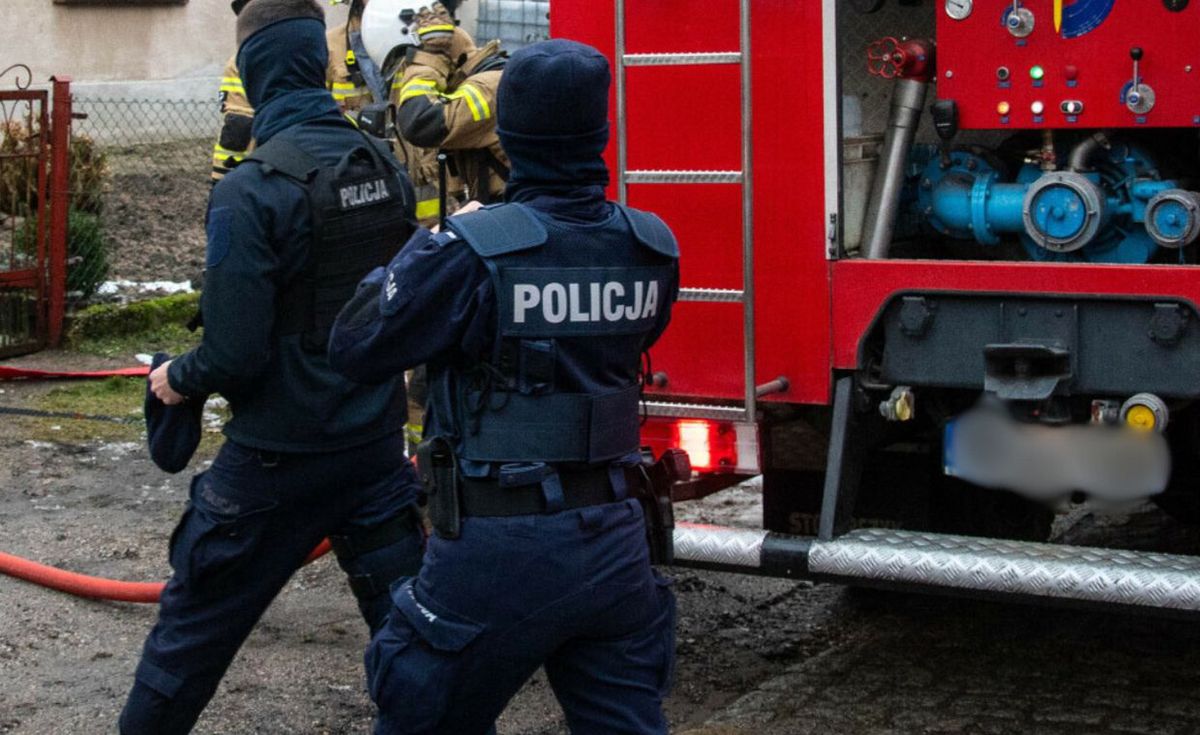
[363, 194]
[604, 301]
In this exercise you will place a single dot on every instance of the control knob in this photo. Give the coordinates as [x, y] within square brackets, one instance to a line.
[1018, 20]
[1139, 97]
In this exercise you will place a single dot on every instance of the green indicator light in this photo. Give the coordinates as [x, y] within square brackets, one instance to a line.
[1036, 73]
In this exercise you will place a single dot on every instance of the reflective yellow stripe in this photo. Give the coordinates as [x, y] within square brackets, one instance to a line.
[224, 158]
[350, 119]
[475, 101]
[479, 98]
[417, 88]
[226, 153]
[414, 433]
[351, 94]
[343, 85]
[232, 84]
[435, 29]
[427, 209]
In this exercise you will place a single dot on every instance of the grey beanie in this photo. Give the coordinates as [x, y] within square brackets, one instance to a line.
[259, 14]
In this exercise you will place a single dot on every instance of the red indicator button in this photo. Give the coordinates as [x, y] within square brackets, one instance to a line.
[1071, 72]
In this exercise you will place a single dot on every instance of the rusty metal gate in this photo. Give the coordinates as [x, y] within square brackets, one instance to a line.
[34, 196]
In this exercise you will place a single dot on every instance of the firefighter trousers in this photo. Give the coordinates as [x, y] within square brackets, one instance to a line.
[571, 591]
[252, 519]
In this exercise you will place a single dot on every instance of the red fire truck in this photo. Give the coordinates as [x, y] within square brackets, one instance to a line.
[939, 277]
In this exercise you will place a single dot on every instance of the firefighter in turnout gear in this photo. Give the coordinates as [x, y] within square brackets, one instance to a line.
[237, 117]
[308, 454]
[533, 317]
[351, 77]
[444, 94]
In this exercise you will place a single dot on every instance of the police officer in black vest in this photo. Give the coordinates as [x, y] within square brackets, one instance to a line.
[532, 316]
[309, 454]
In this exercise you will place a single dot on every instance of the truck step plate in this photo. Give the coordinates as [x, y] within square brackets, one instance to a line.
[1012, 567]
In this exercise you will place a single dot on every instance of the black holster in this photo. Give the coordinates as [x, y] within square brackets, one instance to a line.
[654, 493]
[438, 466]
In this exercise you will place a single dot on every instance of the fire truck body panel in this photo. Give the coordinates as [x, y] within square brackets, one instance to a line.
[892, 243]
[686, 117]
[861, 288]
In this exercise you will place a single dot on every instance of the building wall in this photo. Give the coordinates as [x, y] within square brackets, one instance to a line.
[138, 51]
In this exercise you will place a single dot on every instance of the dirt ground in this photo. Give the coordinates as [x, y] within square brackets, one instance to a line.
[755, 656]
[154, 211]
[99, 506]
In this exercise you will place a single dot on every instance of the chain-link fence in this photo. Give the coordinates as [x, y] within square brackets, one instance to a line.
[152, 160]
[516, 23]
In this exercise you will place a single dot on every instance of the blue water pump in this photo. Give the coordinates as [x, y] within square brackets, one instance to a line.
[1108, 206]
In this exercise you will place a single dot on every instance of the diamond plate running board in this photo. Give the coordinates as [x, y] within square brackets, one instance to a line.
[1012, 567]
[732, 547]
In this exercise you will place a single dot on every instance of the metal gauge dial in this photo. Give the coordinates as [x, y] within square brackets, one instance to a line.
[1175, 5]
[959, 9]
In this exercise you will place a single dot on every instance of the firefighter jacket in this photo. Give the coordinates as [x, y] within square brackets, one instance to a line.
[450, 107]
[234, 141]
[350, 76]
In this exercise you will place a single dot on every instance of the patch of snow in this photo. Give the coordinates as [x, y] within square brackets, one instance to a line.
[120, 287]
[120, 449]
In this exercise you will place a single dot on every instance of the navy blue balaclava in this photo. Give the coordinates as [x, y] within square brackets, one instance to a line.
[552, 119]
[282, 66]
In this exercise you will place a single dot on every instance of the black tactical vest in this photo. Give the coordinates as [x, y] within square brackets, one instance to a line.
[362, 213]
[575, 306]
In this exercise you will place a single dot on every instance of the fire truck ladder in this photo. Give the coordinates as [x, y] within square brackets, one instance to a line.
[625, 177]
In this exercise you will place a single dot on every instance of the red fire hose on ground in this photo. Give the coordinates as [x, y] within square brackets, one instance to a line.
[98, 588]
[83, 585]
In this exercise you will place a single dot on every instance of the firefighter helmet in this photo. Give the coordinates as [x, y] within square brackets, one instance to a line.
[388, 25]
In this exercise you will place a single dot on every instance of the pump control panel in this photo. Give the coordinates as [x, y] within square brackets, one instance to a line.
[1070, 63]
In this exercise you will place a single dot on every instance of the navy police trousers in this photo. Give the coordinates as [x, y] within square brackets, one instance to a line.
[252, 519]
[573, 591]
